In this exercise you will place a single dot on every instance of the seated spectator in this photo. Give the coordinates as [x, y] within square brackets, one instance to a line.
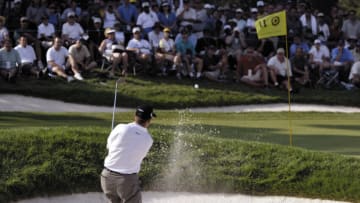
[186, 54]
[30, 33]
[141, 48]
[96, 36]
[56, 58]
[204, 42]
[296, 44]
[110, 17]
[166, 17]
[240, 20]
[147, 19]
[71, 30]
[351, 26]
[108, 49]
[299, 63]
[354, 48]
[280, 70]
[191, 36]
[80, 58]
[167, 51]
[4, 33]
[9, 60]
[354, 76]
[341, 60]
[73, 8]
[128, 14]
[319, 59]
[235, 43]
[324, 31]
[215, 64]
[155, 35]
[46, 32]
[28, 58]
[252, 69]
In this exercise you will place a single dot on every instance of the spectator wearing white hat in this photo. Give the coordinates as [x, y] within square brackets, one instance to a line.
[46, 32]
[73, 8]
[250, 23]
[71, 30]
[108, 50]
[141, 48]
[261, 7]
[324, 31]
[319, 58]
[279, 69]
[239, 18]
[147, 18]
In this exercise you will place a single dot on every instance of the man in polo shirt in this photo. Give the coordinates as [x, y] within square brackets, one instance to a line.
[279, 69]
[127, 146]
[9, 60]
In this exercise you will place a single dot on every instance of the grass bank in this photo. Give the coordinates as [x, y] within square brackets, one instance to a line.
[169, 93]
[37, 161]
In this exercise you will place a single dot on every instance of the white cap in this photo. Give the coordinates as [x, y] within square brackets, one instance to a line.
[317, 41]
[260, 3]
[136, 29]
[96, 20]
[236, 29]
[280, 50]
[17, 1]
[145, 4]
[320, 14]
[227, 27]
[70, 14]
[254, 10]
[239, 10]
[207, 6]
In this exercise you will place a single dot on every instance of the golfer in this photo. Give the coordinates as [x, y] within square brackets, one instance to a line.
[127, 146]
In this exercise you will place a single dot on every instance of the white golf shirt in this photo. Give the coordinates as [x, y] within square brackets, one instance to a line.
[59, 57]
[72, 31]
[27, 54]
[128, 145]
[48, 30]
[147, 20]
[319, 54]
[280, 67]
[142, 44]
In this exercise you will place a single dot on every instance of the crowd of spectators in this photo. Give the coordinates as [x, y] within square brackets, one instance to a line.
[179, 38]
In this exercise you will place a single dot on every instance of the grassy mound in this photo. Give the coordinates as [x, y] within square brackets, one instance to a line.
[39, 161]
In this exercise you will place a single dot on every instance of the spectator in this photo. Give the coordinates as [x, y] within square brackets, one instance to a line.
[141, 48]
[71, 30]
[166, 17]
[166, 52]
[210, 22]
[147, 18]
[298, 43]
[28, 58]
[341, 60]
[204, 42]
[335, 32]
[186, 14]
[280, 70]
[128, 14]
[351, 26]
[299, 63]
[191, 36]
[309, 22]
[354, 48]
[80, 58]
[324, 31]
[252, 69]
[155, 36]
[4, 33]
[319, 59]
[108, 50]
[354, 76]
[235, 42]
[110, 17]
[293, 23]
[201, 18]
[261, 7]
[186, 53]
[119, 34]
[9, 61]
[96, 36]
[240, 21]
[36, 11]
[215, 64]
[73, 8]
[15, 14]
[54, 15]
[250, 23]
[56, 58]
[46, 32]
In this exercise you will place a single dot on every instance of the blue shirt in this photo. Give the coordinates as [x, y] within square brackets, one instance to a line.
[168, 20]
[345, 57]
[303, 45]
[128, 13]
[182, 47]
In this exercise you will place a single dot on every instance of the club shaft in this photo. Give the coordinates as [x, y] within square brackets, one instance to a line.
[114, 108]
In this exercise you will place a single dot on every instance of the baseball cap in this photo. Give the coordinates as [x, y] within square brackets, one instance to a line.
[260, 3]
[320, 15]
[254, 10]
[239, 10]
[227, 27]
[317, 41]
[164, 3]
[207, 6]
[136, 29]
[166, 29]
[109, 30]
[145, 112]
[24, 19]
[96, 20]
[145, 4]
[71, 14]
[280, 51]
[17, 1]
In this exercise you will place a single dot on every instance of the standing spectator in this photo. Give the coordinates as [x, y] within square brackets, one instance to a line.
[128, 14]
[56, 58]
[15, 15]
[36, 10]
[9, 61]
[110, 17]
[147, 18]
[4, 33]
[335, 32]
[280, 69]
[294, 25]
[186, 14]
[309, 22]
[46, 32]
[167, 18]
[201, 18]
[252, 69]
[28, 58]
[71, 30]
[351, 26]
[115, 57]
[80, 58]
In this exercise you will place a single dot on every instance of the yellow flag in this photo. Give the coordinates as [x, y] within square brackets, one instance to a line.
[271, 25]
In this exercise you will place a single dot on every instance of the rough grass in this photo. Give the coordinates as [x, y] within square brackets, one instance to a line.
[39, 161]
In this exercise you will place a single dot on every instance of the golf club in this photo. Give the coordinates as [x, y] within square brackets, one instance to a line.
[120, 80]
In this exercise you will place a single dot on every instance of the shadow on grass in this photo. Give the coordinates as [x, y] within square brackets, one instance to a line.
[338, 127]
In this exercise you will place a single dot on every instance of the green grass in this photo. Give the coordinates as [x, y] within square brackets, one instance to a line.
[170, 93]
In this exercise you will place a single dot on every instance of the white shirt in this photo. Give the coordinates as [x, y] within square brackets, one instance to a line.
[127, 146]
[189, 14]
[167, 45]
[280, 67]
[154, 38]
[72, 31]
[47, 30]
[59, 57]
[143, 45]
[147, 20]
[355, 69]
[319, 54]
[109, 20]
[3, 33]
[27, 54]
[119, 37]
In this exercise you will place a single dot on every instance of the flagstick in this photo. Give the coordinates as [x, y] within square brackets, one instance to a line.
[289, 96]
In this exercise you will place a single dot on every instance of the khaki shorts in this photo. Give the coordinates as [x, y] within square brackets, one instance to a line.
[253, 77]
